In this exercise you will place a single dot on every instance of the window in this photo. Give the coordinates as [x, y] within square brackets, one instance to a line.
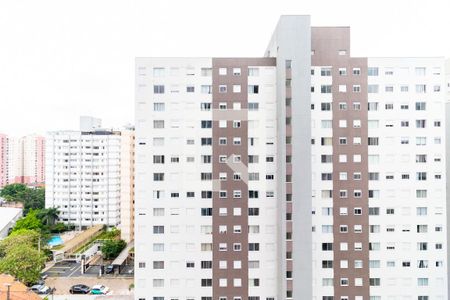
[325, 89]
[342, 106]
[206, 89]
[342, 88]
[158, 89]
[158, 229]
[372, 71]
[158, 124]
[420, 71]
[325, 106]
[372, 88]
[190, 89]
[327, 246]
[356, 71]
[356, 88]
[204, 106]
[222, 71]
[253, 89]
[158, 159]
[237, 71]
[373, 106]
[421, 176]
[373, 141]
[422, 281]
[253, 71]
[389, 89]
[420, 123]
[374, 281]
[253, 247]
[253, 106]
[325, 72]
[421, 88]
[327, 264]
[158, 176]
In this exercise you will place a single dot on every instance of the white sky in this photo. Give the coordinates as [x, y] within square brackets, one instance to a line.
[62, 59]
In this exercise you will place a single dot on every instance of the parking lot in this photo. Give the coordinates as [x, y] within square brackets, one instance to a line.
[117, 286]
[73, 269]
[64, 269]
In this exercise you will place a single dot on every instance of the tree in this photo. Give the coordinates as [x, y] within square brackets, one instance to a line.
[23, 262]
[112, 248]
[10, 192]
[32, 198]
[30, 221]
[48, 216]
[21, 237]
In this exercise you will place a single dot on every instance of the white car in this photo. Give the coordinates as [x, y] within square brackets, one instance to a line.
[99, 289]
[40, 289]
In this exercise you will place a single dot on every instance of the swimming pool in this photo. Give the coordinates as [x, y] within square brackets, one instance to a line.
[55, 241]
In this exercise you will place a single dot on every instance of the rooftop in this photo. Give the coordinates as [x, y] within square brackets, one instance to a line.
[17, 290]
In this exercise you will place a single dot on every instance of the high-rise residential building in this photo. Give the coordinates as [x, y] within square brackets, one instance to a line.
[127, 184]
[33, 158]
[83, 171]
[4, 165]
[305, 174]
[22, 160]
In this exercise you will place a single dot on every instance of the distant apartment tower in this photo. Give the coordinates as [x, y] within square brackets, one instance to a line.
[127, 184]
[4, 164]
[305, 174]
[84, 175]
[22, 160]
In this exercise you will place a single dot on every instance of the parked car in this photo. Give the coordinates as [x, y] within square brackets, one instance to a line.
[40, 289]
[109, 269]
[79, 289]
[99, 290]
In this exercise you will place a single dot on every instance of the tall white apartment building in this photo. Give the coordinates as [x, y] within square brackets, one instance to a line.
[306, 174]
[83, 171]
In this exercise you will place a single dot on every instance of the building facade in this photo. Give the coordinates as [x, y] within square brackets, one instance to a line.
[22, 160]
[127, 184]
[4, 161]
[305, 174]
[84, 180]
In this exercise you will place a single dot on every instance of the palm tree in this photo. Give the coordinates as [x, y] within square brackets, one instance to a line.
[49, 215]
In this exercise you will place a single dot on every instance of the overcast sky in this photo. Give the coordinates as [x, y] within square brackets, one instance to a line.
[62, 59]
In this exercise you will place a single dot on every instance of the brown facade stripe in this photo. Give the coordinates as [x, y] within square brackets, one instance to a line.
[328, 44]
[229, 185]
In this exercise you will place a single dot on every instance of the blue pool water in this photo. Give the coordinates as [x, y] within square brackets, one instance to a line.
[55, 241]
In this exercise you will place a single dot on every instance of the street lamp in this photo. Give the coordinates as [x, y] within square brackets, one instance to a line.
[8, 286]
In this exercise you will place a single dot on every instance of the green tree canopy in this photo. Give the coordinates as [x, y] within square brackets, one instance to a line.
[30, 221]
[21, 237]
[10, 192]
[48, 216]
[23, 262]
[112, 248]
[32, 198]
